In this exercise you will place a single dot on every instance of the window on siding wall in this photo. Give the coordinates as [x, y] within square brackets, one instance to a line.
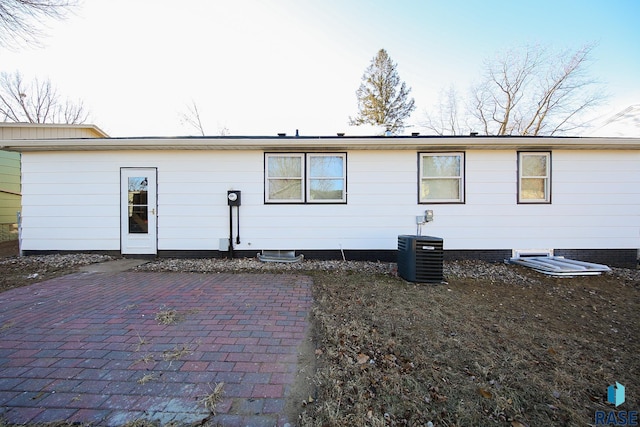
[305, 178]
[441, 178]
[284, 177]
[534, 171]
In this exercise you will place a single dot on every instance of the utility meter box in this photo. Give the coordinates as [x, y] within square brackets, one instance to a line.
[421, 258]
[233, 197]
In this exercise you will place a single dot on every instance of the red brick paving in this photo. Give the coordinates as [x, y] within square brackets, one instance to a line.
[87, 348]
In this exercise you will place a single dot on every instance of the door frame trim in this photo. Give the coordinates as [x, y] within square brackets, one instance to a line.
[153, 171]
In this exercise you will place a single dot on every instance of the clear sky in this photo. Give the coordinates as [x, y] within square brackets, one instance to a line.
[264, 67]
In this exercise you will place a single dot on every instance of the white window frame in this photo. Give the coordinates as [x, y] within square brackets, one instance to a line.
[305, 194]
[459, 178]
[546, 177]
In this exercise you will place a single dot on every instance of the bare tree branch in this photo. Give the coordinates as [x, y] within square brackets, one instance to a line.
[37, 102]
[192, 118]
[21, 20]
[528, 92]
[565, 87]
[446, 119]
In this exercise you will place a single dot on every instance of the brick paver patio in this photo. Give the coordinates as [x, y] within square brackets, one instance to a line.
[90, 348]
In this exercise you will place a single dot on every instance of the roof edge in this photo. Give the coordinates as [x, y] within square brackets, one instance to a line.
[320, 143]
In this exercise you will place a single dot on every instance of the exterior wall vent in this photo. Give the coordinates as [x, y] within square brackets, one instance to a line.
[420, 258]
[521, 253]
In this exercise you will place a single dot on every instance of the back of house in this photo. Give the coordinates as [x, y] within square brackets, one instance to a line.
[332, 197]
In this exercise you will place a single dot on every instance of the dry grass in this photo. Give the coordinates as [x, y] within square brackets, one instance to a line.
[176, 353]
[7, 325]
[141, 342]
[147, 378]
[211, 400]
[147, 358]
[168, 316]
[471, 352]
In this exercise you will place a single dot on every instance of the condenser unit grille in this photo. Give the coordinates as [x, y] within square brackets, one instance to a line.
[420, 258]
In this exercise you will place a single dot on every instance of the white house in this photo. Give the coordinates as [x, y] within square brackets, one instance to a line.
[10, 164]
[331, 197]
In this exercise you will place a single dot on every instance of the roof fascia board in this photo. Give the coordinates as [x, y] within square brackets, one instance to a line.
[321, 143]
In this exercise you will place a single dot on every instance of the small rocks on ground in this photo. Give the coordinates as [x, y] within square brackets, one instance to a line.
[463, 269]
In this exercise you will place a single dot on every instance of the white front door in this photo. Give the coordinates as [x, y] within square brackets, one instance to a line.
[138, 221]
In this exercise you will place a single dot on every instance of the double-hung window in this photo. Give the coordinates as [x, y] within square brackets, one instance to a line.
[534, 177]
[305, 178]
[441, 178]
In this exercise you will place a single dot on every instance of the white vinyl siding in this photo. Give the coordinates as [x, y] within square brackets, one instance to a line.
[71, 201]
[441, 178]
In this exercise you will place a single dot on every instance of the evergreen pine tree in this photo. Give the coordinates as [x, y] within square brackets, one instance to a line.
[383, 100]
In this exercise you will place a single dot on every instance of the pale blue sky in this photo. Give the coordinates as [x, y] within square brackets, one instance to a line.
[263, 67]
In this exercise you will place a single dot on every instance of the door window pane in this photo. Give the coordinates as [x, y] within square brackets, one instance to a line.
[138, 205]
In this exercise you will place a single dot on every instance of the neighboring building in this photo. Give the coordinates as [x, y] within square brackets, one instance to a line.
[10, 165]
[329, 197]
[9, 195]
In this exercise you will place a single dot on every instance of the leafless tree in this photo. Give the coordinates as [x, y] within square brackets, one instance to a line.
[446, 118]
[525, 92]
[36, 102]
[223, 131]
[21, 20]
[192, 118]
[532, 92]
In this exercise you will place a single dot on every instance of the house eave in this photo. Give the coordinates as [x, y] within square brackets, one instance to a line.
[419, 143]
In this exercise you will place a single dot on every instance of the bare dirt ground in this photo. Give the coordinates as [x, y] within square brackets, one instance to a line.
[18, 271]
[9, 248]
[497, 345]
